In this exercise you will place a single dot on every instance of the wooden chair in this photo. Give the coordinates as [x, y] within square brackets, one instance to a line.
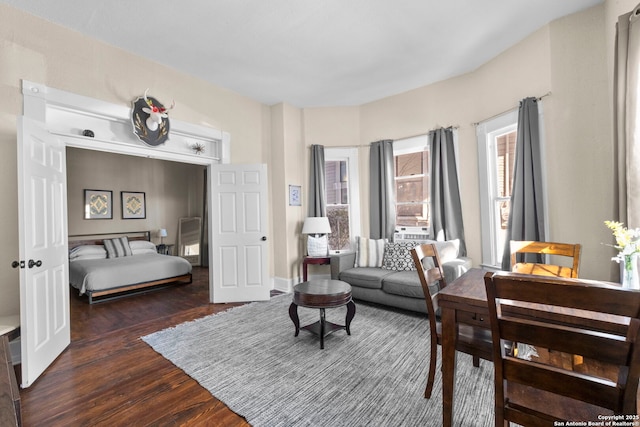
[473, 341]
[545, 248]
[568, 316]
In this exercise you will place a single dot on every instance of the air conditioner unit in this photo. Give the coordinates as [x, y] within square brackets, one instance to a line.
[411, 234]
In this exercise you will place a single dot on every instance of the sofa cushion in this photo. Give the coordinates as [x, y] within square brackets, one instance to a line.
[406, 283]
[365, 277]
[369, 252]
[397, 256]
[403, 283]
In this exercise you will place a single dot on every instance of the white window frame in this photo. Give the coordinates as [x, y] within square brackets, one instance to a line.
[406, 146]
[350, 155]
[486, 133]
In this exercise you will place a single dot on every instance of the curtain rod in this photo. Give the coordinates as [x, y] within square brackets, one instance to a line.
[404, 137]
[504, 112]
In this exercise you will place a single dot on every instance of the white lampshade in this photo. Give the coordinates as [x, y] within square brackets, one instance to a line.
[316, 225]
[317, 244]
[163, 232]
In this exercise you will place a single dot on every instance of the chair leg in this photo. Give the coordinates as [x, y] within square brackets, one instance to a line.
[432, 368]
[476, 361]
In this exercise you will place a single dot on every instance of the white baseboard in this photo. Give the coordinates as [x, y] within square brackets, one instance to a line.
[283, 285]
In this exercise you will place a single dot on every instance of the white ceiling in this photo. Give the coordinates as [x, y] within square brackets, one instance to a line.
[310, 53]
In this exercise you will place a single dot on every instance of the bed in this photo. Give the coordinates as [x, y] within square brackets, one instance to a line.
[111, 266]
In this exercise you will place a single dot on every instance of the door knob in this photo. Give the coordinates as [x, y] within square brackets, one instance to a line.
[16, 264]
[264, 238]
[33, 263]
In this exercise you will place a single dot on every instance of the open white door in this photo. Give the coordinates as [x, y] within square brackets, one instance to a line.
[238, 256]
[44, 275]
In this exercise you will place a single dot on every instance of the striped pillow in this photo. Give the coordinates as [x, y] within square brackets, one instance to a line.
[118, 247]
[369, 252]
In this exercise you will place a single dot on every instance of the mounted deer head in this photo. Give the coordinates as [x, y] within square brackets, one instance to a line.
[156, 114]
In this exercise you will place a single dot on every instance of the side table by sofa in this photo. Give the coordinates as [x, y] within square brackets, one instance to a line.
[314, 260]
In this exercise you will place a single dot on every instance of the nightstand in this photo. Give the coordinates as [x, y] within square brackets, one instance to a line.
[314, 260]
[165, 249]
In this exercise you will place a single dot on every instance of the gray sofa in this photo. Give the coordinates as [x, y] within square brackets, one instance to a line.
[400, 289]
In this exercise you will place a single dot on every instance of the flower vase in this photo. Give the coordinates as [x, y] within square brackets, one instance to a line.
[629, 272]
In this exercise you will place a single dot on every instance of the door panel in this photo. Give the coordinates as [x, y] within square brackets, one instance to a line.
[239, 226]
[44, 293]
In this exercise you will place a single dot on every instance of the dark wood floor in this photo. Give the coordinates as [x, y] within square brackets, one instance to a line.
[109, 377]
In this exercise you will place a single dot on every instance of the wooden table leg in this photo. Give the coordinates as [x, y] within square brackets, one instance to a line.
[351, 312]
[293, 314]
[322, 328]
[449, 337]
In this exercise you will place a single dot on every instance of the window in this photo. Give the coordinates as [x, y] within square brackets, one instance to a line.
[496, 157]
[341, 191]
[411, 158]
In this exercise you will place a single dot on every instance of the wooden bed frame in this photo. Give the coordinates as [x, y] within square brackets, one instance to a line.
[127, 290]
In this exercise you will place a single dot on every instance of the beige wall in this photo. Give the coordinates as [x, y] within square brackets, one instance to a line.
[287, 168]
[172, 191]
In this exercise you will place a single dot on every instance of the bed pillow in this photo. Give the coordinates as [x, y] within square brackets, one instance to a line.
[397, 256]
[369, 252]
[87, 252]
[118, 247]
[139, 247]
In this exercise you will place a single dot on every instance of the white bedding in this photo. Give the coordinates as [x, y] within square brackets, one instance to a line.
[108, 273]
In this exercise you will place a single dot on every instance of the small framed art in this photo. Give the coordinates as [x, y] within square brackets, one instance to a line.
[98, 204]
[133, 205]
[295, 195]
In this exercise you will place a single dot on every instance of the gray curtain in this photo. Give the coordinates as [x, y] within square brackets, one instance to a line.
[526, 217]
[445, 204]
[626, 82]
[317, 201]
[382, 202]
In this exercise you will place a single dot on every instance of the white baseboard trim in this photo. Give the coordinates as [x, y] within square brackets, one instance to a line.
[284, 285]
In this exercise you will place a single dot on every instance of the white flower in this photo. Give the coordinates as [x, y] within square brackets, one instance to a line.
[627, 240]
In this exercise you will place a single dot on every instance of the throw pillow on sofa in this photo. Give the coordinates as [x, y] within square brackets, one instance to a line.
[369, 252]
[448, 249]
[397, 256]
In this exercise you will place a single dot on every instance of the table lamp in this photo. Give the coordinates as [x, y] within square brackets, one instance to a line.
[163, 234]
[317, 229]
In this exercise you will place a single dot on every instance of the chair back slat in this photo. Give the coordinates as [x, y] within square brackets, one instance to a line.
[568, 339]
[569, 293]
[570, 250]
[611, 323]
[593, 390]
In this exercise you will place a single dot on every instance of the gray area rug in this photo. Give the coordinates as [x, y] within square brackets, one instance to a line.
[248, 358]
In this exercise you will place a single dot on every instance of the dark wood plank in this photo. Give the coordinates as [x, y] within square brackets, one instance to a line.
[108, 376]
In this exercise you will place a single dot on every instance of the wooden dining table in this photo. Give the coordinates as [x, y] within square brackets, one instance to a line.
[462, 301]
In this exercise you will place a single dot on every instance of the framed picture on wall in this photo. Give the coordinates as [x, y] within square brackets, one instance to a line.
[133, 205]
[98, 204]
[295, 195]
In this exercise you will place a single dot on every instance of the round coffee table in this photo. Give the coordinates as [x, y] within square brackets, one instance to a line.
[322, 294]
